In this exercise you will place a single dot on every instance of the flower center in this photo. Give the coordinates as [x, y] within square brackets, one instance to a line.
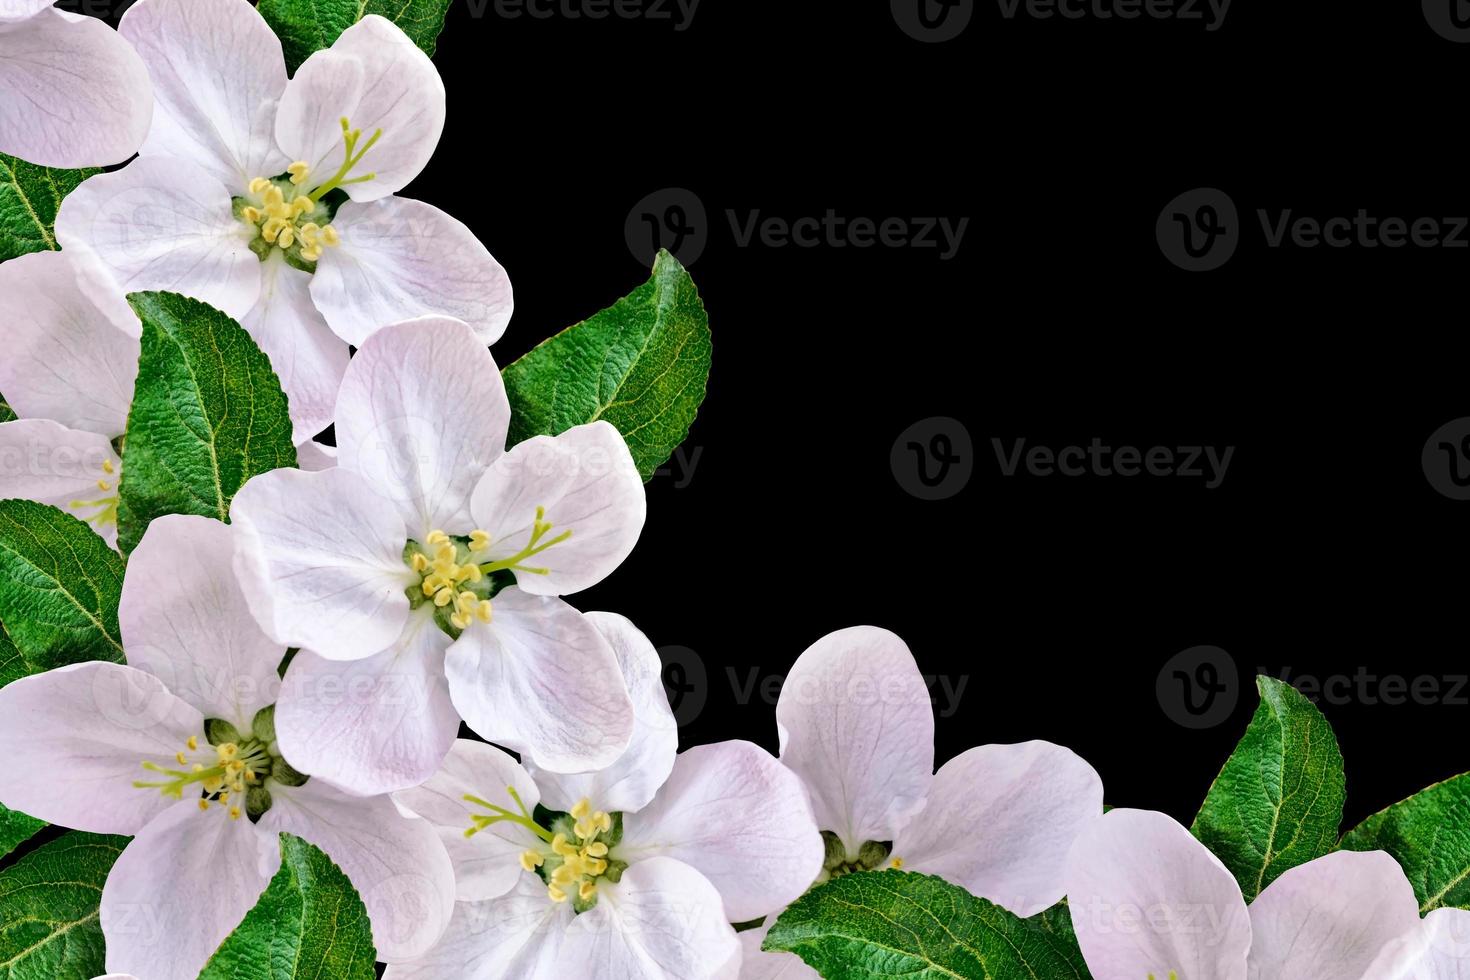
[459, 584]
[104, 508]
[574, 854]
[872, 856]
[232, 769]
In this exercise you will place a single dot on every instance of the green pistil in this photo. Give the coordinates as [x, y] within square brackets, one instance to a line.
[539, 530]
[502, 815]
[106, 515]
[350, 137]
[175, 787]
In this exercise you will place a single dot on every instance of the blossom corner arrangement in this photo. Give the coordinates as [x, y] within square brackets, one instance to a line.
[238, 662]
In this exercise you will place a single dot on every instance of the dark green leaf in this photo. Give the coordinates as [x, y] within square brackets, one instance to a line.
[1278, 801]
[308, 923]
[7, 414]
[15, 829]
[642, 364]
[1429, 834]
[29, 198]
[305, 26]
[208, 414]
[49, 909]
[878, 925]
[59, 588]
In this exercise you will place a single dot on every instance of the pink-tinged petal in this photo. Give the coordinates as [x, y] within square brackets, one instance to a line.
[662, 921]
[515, 937]
[18, 10]
[585, 484]
[320, 557]
[378, 79]
[401, 259]
[1000, 820]
[1329, 919]
[396, 863]
[70, 341]
[1146, 897]
[164, 223]
[185, 621]
[374, 725]
[307, 357]
[488, 864]
[217, 72]
[631, 782]
[856, 724]
[76, 94]
[76, 739]
[181, 887]
[313, 457]
[65, 468]
[421, 413]
[1437, 949]
[741, 819]
[542, 681]
[757, 964]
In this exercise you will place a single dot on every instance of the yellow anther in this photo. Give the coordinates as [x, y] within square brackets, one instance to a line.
[555, 893]
[103, 485]
[597, 850]
[531, 860]
[603, 821]
[483, 611]
[234, 813]
[330, 236]
[193, 743]
[587, 890]
[479, 540]
[443, 597]
[204, 804]
[272, 230]
[459, 621]
[251, 214]
[560, 845]
[298, 172]
[107, 466]
[311, 253]
[444, 553]
[224, 797]
[437, 537]
[302, 204]
[258, 185]
[287, 238]
[420, 562]
[228, 751]
[581, 809]
[179, 757]
[895, 862]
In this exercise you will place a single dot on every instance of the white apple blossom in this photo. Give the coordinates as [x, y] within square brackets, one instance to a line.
[856, 724]
[1149, 900]
[420, 577]
[634, 872]
[272, 199]
[75, 93]
[177, 749]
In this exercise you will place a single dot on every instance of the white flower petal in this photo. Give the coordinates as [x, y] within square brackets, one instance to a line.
[51, 464]
[374, 725]
[217, 72]
[1329, 918]
[741, 819]
[631, 782]
[307, 357]
[542, 681]
[758, 964]
[421, 413]
[320, 557]
[181, 887]
[662, 921]
[1146, 897]
[400, 259]
[313, 456]
[397, 89]
[18, 10]
[71, 343]
[1438, 949]
[1000, 820]
[164, 223]
[395, 862]
[488, 864]
[185, 621]
[585, 483]
[857, 726]
[515, 937]
[76, 94]
[76, 738]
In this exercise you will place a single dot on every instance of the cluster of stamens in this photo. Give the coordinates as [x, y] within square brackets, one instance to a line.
[444, 577]
[296, 223]
[581, 862]
[106, 507]
[235, 767]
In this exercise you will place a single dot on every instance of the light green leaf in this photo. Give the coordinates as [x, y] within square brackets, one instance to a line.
[29, 198]
[305, 26]
[208, 414]
[878, 925]
[1278, 801]
[642, 364]
[15, 829]
[49, 909]
[308, 923]
[1429, 835]
[59, 588]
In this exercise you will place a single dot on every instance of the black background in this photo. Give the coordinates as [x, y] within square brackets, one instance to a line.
[1057, 600]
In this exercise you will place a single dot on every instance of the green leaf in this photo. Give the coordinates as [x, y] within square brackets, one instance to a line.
[642, 364]
[305, 26]
[1429, 835]
[885, 924]
[1278, 801]
[59, 588]
[15, 829]
[49, 909]
[29, 198]
[7, 414]
[208, 414]
[308, 923]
